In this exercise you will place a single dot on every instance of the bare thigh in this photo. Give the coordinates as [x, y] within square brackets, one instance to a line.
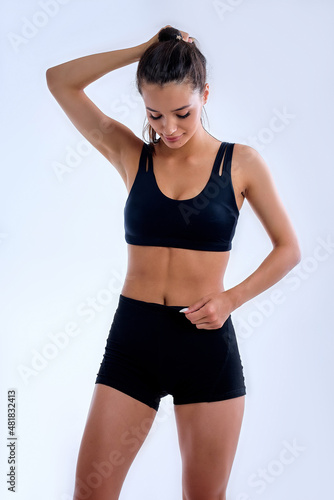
[208, 437]
[116, 427]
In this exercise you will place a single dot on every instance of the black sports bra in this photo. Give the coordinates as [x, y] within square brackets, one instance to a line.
[204, 222]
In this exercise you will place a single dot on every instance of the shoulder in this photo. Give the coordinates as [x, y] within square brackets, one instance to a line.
[244, 154]
[250, 166]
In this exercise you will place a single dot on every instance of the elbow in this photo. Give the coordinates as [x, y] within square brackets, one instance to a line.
[295, 255]
[50, 78]
[292, 253]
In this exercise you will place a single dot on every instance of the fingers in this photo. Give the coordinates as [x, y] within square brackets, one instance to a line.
[186, 36]
[195, 306]
[197, 316]
[201, 313]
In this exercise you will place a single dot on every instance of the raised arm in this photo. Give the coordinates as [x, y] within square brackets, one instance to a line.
[67, 81]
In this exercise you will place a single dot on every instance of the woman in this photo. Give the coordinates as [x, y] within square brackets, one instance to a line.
[172, 331]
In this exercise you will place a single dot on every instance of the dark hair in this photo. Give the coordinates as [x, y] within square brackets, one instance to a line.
[171, 59]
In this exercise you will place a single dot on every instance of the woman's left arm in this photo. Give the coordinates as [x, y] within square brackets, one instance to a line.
[262, 195]
[212, 310]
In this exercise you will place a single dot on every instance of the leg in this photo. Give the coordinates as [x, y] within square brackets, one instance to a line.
[208, 437]
[116, 427]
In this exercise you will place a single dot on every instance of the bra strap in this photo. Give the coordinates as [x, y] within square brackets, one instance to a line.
[219, 157]
[145, 158]
[228, 158]
[225, 156]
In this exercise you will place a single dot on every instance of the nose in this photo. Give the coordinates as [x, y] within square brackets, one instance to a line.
[169, 127]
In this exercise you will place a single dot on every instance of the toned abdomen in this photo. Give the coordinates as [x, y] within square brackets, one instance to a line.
[173, 276]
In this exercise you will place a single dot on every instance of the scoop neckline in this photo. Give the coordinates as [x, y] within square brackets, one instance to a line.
[197, 195]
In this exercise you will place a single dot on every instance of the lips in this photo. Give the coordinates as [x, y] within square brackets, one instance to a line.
[173, 138]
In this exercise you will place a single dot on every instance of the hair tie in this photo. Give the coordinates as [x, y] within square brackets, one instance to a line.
[168, 34]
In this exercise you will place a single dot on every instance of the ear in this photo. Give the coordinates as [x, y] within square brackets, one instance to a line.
[206, 94]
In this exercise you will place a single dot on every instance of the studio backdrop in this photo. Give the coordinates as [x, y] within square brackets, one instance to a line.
[64, 257]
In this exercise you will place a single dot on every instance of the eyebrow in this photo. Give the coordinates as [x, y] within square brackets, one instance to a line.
[178, 109]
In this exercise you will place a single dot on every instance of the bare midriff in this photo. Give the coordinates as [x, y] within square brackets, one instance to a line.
[173, 276]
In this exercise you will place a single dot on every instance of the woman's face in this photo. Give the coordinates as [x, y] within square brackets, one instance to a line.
[174, 111]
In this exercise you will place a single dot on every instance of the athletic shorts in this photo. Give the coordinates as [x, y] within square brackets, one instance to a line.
[153, 350]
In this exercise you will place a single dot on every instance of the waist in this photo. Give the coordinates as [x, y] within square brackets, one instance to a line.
[173, 276]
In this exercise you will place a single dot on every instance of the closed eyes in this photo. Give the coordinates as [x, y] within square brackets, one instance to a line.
[179, 116]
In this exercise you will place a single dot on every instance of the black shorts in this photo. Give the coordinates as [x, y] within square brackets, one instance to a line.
[153, 350]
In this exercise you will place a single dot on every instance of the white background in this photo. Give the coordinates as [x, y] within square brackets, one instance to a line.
[62, 237]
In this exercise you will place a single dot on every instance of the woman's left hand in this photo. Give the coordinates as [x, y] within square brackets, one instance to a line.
[211, 311]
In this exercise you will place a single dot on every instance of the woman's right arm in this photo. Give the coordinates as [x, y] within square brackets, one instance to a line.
[67, 81]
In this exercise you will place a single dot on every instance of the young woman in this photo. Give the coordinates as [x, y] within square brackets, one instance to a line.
[172, 331]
